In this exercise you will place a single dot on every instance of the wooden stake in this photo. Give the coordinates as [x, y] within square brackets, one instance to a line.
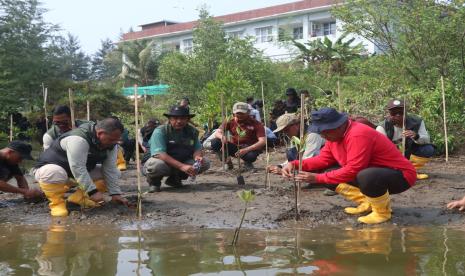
[139, 191]
[45, 94]
[339, 97]
[446, 143]
[88, 110]
[71, 106]
[404, 116]
[267, 174]
[11, 127]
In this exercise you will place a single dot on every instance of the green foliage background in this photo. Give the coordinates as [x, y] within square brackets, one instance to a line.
[419, 42]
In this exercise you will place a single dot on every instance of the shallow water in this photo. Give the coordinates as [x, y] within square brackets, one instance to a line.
[105, 250]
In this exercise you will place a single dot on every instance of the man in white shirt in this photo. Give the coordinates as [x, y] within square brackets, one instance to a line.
[418, 147]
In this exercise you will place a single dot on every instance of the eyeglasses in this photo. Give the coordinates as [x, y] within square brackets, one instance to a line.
[61, 123]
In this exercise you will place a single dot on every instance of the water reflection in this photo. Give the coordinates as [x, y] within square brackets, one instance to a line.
[90, 250]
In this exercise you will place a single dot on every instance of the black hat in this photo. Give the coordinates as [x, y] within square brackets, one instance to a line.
[327, 118]
[22, 148]
[179, 111]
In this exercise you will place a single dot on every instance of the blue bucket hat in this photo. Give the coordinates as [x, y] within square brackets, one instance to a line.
[326, 118]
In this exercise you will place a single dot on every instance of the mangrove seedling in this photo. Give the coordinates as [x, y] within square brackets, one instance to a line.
[240, 179]
[246, 196]
[299, 144]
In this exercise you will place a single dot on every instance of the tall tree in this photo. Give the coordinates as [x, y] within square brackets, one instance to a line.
[106, 62]
[23, 36]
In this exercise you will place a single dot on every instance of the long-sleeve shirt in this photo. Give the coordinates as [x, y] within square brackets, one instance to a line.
[423, 135]
[361, 147]
[47, 141]
[77, 150]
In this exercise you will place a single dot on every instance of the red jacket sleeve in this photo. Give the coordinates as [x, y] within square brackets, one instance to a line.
[322, 161]
[359, 150]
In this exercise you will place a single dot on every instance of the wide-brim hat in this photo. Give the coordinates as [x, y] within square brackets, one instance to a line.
[285, 120]
[327, 118]
[179, 111]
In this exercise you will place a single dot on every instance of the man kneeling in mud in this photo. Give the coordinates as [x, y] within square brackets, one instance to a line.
[75, 155]
[175, 151]
[371, 167]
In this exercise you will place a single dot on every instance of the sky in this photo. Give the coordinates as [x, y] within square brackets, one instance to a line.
[94, 20]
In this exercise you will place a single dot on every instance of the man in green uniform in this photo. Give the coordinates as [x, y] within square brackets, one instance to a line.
[174, 149]
[75, 155]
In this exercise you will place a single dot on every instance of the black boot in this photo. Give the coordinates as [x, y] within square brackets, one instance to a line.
[174, 180]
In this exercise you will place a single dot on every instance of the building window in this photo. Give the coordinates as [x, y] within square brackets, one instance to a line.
[187, 45]
[322, 29]
[298, 32]
[329, 28]
[264, 34]
[236, 34]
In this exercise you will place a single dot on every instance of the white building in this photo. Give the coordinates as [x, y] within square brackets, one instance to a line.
[269, 27]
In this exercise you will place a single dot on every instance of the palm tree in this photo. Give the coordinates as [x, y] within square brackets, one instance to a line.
[141, 59]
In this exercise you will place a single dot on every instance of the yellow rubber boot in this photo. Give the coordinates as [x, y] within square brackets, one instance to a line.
[381, 210]
[100, 185]
[353, 193]
[419, 162]
[55, 194]
[55, 242]
[120, 162]
[82, 199]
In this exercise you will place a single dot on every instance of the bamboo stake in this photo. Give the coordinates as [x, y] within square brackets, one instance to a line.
[223, 119]
[71, 106]
[302, 144]
[11, 127]
[45, 94]
[339, 97]
[267, 174]
[139, 191]
[404, 115]
[88, 110]
[446, 143]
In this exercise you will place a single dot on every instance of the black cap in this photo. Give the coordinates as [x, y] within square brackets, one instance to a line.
[22, 148]
[291, 91]
[179, 111]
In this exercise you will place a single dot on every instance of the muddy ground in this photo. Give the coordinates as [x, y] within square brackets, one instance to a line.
[211, 202]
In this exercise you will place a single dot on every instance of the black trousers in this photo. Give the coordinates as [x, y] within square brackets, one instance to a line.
[250, 157]
[375, 182]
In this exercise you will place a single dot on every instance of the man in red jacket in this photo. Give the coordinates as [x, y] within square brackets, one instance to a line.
[371, 167]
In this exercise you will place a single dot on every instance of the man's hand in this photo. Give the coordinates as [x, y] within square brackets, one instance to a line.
[32, 194]
[119, 199]
[188, 169]
[288, 170]
[457, 204]
[306, 177]
[144, 149]
[242, 152]
[409, 134]
[97, 197]
[274, 169]
[199, 158]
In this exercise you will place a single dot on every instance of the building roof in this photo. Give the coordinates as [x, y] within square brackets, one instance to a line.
[229, 18]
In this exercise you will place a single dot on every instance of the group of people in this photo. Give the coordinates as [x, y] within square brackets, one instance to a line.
[349, 156]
